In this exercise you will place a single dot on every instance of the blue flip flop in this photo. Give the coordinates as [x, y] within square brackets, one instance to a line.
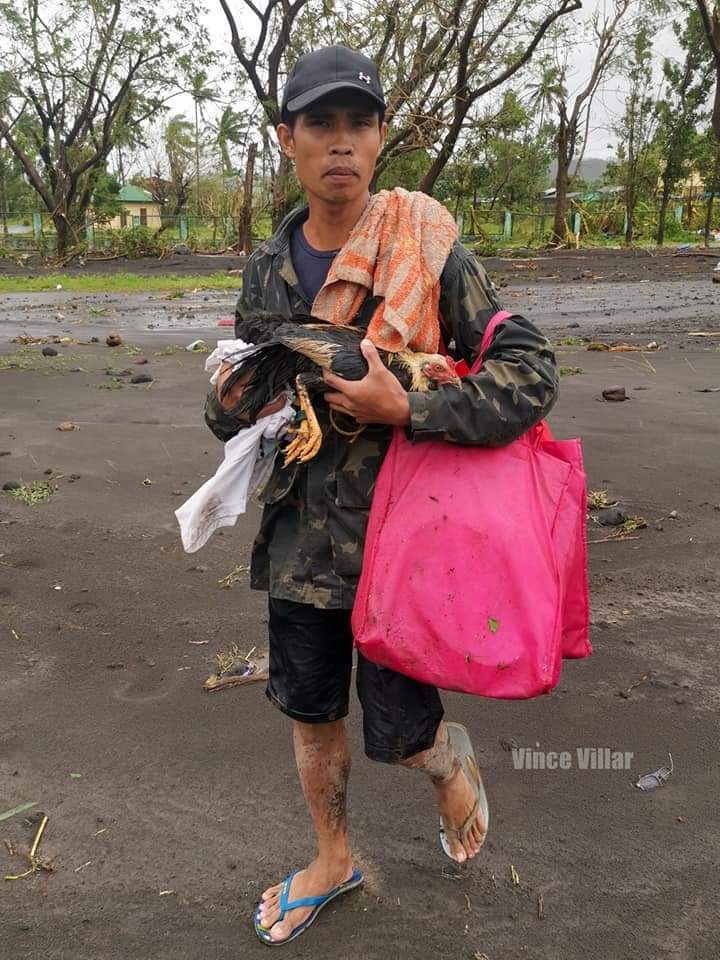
[317, 902]
[462, 745]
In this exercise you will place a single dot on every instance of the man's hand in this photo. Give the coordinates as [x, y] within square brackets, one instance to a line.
[235, 393]
[377, 398]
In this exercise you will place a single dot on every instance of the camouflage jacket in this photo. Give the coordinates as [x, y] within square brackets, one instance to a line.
[309, 547]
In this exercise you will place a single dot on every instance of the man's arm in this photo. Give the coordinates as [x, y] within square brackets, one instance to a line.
[223, 426]
[518, 383]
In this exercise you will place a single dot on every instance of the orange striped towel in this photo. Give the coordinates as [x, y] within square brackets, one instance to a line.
[397, 250]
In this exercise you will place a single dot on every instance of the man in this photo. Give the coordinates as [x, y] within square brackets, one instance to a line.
[309, 549]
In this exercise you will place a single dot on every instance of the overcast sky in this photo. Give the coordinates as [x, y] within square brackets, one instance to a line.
[608, 102]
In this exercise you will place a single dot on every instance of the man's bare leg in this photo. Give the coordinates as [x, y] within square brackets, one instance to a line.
[454, 794]
[322, 755]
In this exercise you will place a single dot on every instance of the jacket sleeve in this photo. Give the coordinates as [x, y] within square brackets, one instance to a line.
[223, 426]
[517, 384]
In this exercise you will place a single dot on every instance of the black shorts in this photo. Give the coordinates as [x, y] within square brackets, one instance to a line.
[311, 654]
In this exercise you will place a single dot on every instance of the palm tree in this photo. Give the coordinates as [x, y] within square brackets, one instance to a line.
[201, 94]
[231, 127]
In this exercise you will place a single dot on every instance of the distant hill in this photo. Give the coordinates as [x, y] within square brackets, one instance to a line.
[591, 169]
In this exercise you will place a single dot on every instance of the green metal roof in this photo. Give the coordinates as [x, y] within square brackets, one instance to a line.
[132, 194]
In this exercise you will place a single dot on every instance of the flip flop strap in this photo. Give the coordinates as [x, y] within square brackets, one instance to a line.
[286, 906]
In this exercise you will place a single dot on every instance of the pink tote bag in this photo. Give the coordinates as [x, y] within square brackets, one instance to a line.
[474, 572]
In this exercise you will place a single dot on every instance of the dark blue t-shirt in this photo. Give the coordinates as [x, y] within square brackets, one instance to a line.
[311, 266]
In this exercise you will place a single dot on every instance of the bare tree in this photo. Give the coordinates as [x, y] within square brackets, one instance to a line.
[574, 113]
[85, 76]
[710, 14]
[438, 59]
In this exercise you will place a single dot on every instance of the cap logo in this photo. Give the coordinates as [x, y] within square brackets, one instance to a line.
[365, 77]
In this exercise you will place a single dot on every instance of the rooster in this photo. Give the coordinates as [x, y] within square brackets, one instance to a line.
[296, 352]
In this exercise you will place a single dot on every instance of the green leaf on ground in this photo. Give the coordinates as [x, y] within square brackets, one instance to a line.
[493, 624]
[19, 809]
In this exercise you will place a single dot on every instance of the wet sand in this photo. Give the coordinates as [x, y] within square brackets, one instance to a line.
[186, 805]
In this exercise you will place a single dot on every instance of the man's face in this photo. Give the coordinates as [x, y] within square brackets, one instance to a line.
[335, 145]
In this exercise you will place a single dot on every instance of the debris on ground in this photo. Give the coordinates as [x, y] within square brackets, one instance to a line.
[514, 876]
[236, 575]
[6, 814]
[611, 517]
[651, 781]
[49, 352]
[570, 371]
[599, 500]
[31, 493]
[141, 378]
[236, 668]
[66, 426]
[614, 394]
[113, 340]
[198, 346]
[36, 862]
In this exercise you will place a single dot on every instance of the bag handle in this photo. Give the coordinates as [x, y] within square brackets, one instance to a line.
[497, 318]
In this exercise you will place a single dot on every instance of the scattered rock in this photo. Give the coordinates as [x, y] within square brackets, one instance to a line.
[659, 527]
[141, 378]
[612, 517]
[113, 340]
[75, 476]
[12, 485]
[118, 373]
[653, 345]
[115, 666]
[198, 568]
[140, 361]
[614, 394]
[673, 515]
[76, 370]
[94, 339]
[573, 326]
[681, 700]
[49, 352]
[48, 471]
[182, 249]
[67, 425]
[177, 493]
[6, 453]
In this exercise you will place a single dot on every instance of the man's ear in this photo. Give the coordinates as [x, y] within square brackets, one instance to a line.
[286, 140]
[383, 135]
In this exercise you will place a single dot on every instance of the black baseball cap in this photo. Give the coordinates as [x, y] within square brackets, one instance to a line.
[325, 71]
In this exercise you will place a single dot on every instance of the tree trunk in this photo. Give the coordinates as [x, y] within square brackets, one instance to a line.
[245, 231]
[664, 201]
[279, 191]
[708, 218]
[197, 162]
[562, 183]
[3, 200]
[629, 214]
[62, 231]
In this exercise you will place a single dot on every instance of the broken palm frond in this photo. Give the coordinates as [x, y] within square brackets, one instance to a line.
[36, 862]
[15, 810]
[625, 530]
[236, 575]
[235, 668]
[36, 492]
[599, 500]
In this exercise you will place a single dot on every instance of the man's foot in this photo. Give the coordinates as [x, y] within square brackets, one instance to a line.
[316, 881]
[456, 799]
